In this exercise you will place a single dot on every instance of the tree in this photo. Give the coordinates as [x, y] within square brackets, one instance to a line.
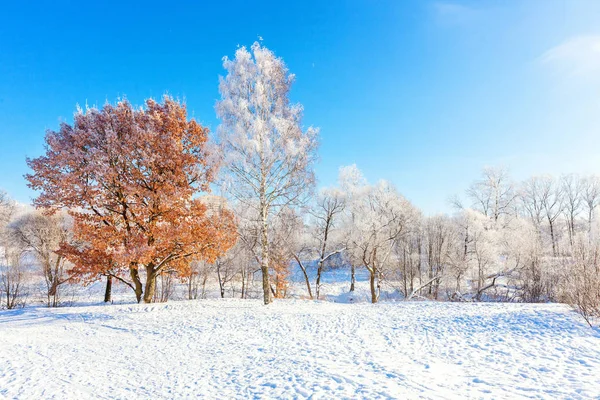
[130, 179]
[591, 197]
[268, 157]
[12, 270]
[7, 208]
[42, 235]
[494, 194]
[194, 275]
[353, 184]
[378, 216]
[319, 239]
[437, 235]
[330, 205]
[571, 188]
[583, 292]
[552, 202]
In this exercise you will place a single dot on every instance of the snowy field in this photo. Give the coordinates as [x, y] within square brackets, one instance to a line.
[298, 349]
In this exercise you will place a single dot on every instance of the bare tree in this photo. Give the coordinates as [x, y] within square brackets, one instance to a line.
[42, 235]
[584, 291]
[379, 216]
[437, 235]
[165, 286]
[330, 204]
[552, 202]
[226, 270]
[7, 209]
[12, 270]
[542, 198]
[531, 193]
[494, 194]
[12, 280]
[571, 188]
[196, 278]
[590, 197]
[461, 249]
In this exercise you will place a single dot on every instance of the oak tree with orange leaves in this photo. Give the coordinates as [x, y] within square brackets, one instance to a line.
[131, 179]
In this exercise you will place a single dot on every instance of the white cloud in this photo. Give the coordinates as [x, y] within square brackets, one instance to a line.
[578, 56]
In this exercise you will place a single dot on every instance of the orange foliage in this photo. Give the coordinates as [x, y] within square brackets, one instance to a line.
[280, 269]
[130, 178]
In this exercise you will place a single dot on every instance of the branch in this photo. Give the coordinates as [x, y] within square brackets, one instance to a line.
[429, 282]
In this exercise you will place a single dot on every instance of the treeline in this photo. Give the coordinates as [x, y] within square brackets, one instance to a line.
[123, 197]
[531, 241]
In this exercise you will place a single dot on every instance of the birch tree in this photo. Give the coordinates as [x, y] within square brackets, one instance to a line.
[268, 156]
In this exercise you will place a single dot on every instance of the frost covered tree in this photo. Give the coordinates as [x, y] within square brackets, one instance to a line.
[437, 236]
[531, 198]
[12, 270]
[551, 199]
[571, 189]
[377, 216]
[326, 212]
[591, 198]
[268, 156]
[42, 235]
[7, 207]
[494, 194]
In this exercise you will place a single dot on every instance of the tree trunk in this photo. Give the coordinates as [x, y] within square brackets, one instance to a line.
[221, 282]
[135, 277]
[204, 278]
[305, 276]
[190, 296]
[108, 290]
[373, 288]
[53, 293]
[264, 265]
[352, 277]
[554, 252]
[243, 283]
[150, 284]
[318, 282]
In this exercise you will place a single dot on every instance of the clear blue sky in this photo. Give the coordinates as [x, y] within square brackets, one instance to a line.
[422, 93]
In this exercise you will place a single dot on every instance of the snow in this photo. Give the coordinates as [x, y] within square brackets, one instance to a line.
[299, 349]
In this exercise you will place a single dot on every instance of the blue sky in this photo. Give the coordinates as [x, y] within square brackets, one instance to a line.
[421, 93]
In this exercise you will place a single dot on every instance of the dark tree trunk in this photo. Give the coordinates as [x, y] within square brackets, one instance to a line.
[318, 282]
[150, 284]
[554, 251]
[352, 277]
[243, 283]
[306, 276]
[221, 281]
[135, 277]
[108, 290]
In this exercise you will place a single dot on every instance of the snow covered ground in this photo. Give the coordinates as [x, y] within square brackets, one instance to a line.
[299, 349]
